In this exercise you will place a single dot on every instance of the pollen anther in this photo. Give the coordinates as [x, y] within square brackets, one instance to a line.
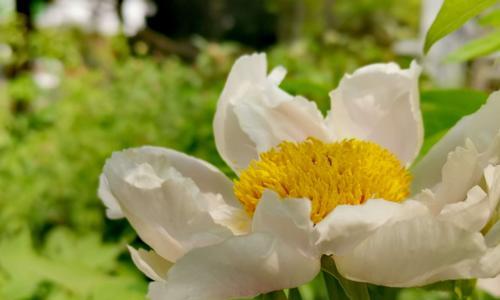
[328, 174]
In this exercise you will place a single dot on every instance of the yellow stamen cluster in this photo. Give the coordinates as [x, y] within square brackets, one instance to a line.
[329, 174]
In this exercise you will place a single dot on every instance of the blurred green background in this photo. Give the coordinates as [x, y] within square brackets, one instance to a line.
[72, 92]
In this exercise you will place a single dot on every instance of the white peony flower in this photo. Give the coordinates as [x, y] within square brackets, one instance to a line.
[310, 186]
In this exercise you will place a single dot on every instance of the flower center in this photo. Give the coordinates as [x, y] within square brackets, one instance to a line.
[329, 174]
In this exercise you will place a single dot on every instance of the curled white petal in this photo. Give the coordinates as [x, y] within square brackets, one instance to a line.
[113, 210]
[254, 114]
[287, 219]
[233, 144]
[471, 214]
[277, 75]
[481, 128]
[380, 103]
[487, 266]
[236, 219]
[460, 173]
[348, 225]
[480, 205]
[492, 180]
[150, 263]
[207, 177]
[169, 211]
[412, 253]
[469, 190]
[278, 254]
[243, 266]
[294, 119]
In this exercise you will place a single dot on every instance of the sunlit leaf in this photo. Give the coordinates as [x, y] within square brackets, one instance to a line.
[491, 18]
[479, 47]
[452, 15]
[419, 294]
[78, 274]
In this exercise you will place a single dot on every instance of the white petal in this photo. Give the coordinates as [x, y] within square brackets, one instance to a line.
[168, 210]
[243, 266]
[113, 210]
[460, 173]
[278, 254]
[481, 127]
[380, 103]
[472, 214]
[488, 266]
[277, 75]
[485, 265]
[492, 179]
[464, 170]
[412, 253]
[236, 219]
[461, 198]
[493, 236]
[254, 114]
[287, 219]
[348, 225]
[490, 285]
[150, 263]
[234, 145]
[292, 119]
[207, 177]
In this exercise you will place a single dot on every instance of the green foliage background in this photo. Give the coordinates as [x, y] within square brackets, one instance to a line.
[55, 242]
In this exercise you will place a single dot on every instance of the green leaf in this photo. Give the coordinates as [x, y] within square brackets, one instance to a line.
[333, 287]
[479, 47]
[441, 109]
[294, 294]
[464, 289]
[452, 15]
[354, 290]
[315, 289]
[449, 289]
[277, 295]
[419, 294]
[81, 275]
[491, 19]
[383, 293]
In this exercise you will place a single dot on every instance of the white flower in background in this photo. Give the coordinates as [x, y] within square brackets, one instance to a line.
[134, 15]
[97, 15]
[47, 73]
[310, 186]
[90, 15]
